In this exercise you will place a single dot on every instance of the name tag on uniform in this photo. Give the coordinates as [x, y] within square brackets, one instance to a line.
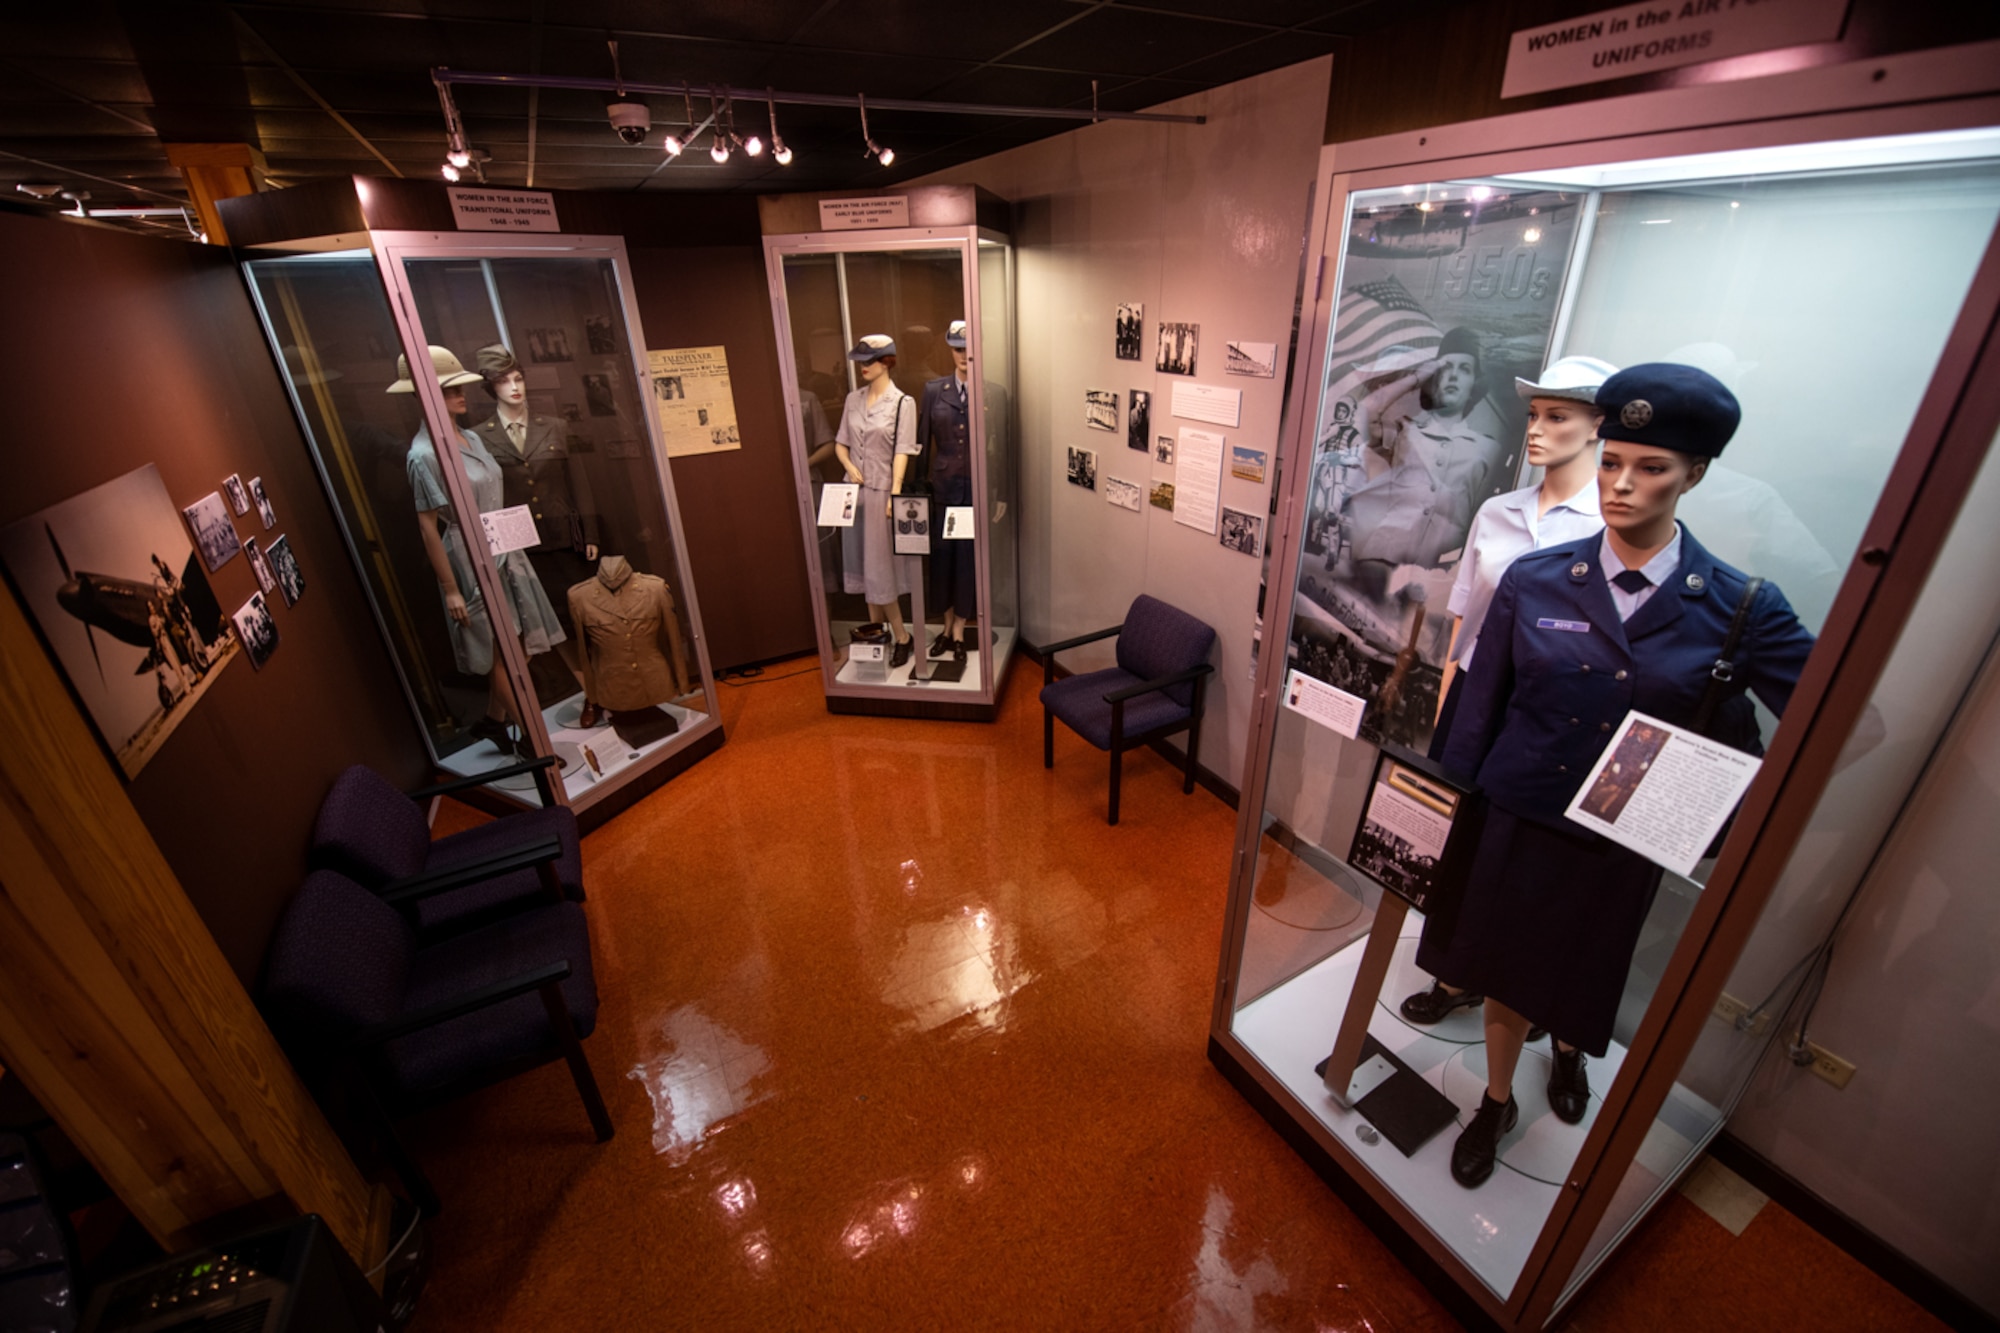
[1570, 626]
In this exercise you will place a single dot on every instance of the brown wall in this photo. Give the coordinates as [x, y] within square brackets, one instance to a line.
[124, 351]
[1443, 66]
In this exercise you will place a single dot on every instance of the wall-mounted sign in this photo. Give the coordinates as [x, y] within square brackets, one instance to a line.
[1209, 402]
[503, 210]
[888, 210]
[1644, 38]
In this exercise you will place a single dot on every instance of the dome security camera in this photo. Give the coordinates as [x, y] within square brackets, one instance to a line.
[630, 119]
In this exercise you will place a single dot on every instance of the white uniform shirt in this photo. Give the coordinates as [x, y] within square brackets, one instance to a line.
[1506, 528]
[1658, 570]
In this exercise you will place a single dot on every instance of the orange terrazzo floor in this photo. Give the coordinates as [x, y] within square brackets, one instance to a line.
[899, 1034]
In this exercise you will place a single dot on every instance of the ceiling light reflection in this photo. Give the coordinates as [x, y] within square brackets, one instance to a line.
[703, 1075]
[736, 1197]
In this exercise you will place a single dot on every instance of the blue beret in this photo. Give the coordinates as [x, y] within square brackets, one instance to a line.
[1670, 407]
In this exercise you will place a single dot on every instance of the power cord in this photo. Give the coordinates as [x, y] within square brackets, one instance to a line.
[408, 1232]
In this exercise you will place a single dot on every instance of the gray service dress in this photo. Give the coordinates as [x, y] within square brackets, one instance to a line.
[874, 436]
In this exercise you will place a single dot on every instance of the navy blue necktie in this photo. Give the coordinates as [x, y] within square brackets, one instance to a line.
[1631, 580]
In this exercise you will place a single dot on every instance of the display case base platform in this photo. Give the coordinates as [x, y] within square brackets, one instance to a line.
[950, 691]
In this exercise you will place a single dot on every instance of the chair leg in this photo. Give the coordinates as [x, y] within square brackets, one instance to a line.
[1193, 739]
[1048, 738]
[400, 1161]
[1117, 756]
[579, 1064]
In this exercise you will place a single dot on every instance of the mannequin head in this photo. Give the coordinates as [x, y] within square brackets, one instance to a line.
[870, 371]
[1559, 429]
[503, 375]
[1639, 485]
[1662, 423]
[454, 399]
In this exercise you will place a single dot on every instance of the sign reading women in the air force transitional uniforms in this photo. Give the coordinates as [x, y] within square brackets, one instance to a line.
[1443, 297]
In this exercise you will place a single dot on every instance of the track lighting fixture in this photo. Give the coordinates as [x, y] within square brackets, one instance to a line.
[883, 155]
[719, 150]
[779, 153]
[459, 157]
[450, 171]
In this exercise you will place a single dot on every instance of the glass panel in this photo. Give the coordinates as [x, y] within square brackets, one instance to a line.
[1784, 288]
[553, 436]
[996, 377]
[337, 339]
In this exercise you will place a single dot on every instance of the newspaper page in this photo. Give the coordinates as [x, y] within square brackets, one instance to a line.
[692, 397]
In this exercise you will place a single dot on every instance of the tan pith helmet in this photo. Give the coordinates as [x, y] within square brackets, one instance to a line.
[450, 373]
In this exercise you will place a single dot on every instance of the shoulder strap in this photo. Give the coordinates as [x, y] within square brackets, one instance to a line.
[1724, 669]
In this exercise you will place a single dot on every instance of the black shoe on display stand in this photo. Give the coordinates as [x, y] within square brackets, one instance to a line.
[1437, 1004]
[1472, 1157]
[1569, 1086]
[901, 654]
[941, 644]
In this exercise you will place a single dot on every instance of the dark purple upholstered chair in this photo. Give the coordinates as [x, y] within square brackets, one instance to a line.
[378, 837]
[1154, 691]
[351, 993]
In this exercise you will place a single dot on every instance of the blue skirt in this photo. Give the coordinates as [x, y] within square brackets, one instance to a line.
[1548, 924]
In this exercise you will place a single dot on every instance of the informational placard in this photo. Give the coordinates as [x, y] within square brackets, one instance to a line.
[692, 397]
[1198, 478]
[1325, 704]
[1662, 791]
[910, 527]
[1643, 38]
[958, 521]
[509, 529]
[1406, 830]
[1209, 402]
[887, 210]
[837, 503]
[502, 210]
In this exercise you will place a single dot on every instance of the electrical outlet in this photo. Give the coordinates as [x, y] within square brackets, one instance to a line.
[1731, 1011]
[1829, 1066]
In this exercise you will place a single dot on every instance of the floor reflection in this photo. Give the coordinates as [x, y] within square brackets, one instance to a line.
[968, 964]
[703, 1074]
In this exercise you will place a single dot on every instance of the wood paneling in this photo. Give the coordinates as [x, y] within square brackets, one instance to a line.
[118, 1010]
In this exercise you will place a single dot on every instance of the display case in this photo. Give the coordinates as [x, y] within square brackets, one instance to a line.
[556, 505]
[1840, 274]
[932, 270]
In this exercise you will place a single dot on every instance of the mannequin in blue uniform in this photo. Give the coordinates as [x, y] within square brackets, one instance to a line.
[944, 424]
[1578, 634]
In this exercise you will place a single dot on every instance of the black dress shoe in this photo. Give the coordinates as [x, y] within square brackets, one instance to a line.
[1472, 1157]
[1569, 1086]
[901, 653]
[941, 644]
[493, 729]
[1437, 1003]
[958, 650]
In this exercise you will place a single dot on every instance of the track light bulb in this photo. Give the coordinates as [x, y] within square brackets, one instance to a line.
[779, 153]
[885, 155]
[753, 146]
[459, 157]
[673, 145]
[450, 171]
[719, 150]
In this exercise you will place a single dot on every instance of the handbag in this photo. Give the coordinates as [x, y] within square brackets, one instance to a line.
[1738, 730]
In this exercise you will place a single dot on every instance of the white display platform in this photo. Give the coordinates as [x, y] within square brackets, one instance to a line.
[568, 740]
[851, 673]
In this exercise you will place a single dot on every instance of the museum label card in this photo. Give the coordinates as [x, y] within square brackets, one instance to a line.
[1660, 34]
[836, 504]
[958, 521]
[1334, 709]
[510, 529]
[1662, 791]
[503, 210]
[888, 210]
[1198, 478]
[1209, 402]
[693, 401]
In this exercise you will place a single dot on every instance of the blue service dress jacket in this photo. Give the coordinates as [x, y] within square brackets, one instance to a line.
[1535, 715]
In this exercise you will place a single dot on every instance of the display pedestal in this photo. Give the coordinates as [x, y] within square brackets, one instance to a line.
[1364, 1075]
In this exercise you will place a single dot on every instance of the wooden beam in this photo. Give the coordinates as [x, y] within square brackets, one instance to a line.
[215, 171]
[117, 1008]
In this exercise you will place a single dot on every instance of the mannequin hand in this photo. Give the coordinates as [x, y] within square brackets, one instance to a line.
[854, 476]
[590, 551]
[889, 509]
[454, 606]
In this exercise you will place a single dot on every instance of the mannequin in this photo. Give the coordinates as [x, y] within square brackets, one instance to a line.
[875, 442]
[536, 470]
[1551, 914]
[529, 611]
[630, 635]
[944, 422]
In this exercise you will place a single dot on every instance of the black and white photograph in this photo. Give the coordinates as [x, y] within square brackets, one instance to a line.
[125, 606]
[1130, 332]
[214, 531]
[1138, 419]
[1178, 344]
[597, 332]
[569, 411]
[667, 388]
[1241, 531]
[263, 503]
[597, 393]
[257, 629]
[266, 579]
[1100, 409]
[1083, 468]
[549, 344]
[724, 435]
[1258, 359]
[291, 579]
[1125, 494]
[1163, 449]
[1420, 425]
[239, 499]
[1405, 831]
[1161, 496]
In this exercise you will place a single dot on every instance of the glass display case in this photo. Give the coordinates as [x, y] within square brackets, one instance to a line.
[912, 555]
[556, 505]
[1842, 289]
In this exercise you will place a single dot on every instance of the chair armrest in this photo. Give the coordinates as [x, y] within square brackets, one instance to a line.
[481, 779]
[525, 857]
[1051, 649]
[459, 1006]
[1148, 686]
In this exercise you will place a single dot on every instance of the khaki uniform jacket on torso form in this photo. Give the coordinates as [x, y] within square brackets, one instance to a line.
[543, 475]
[628, 635]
